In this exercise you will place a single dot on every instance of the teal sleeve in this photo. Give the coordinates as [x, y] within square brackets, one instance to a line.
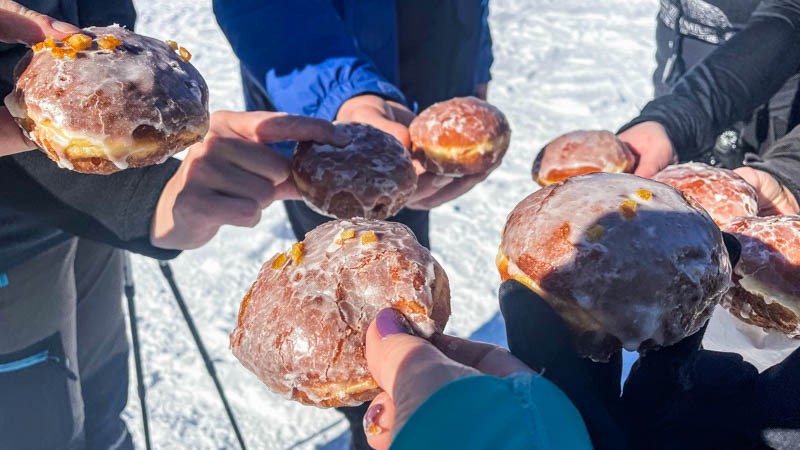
[486, 412]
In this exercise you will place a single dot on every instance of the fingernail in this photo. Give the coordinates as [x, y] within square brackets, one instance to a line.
[64, 27]
[389, 321]
[370, 423]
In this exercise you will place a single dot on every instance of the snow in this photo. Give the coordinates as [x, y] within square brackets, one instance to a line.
[560, 65]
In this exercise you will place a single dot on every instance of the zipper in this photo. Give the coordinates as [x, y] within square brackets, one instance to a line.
[33, 360]
[24, 363]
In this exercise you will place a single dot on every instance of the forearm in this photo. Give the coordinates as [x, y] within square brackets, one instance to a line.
[115, 209]
[731, 82]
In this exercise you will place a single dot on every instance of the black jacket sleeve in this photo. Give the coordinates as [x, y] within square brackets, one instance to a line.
[732, 81]
[115, 209]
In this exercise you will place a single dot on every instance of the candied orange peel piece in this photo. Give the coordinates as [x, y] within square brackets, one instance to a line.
[172, 44]
[628, 209]
[70, 53]
[38, 46]
[279, 261]
[369, 237]
[49, 42]
[79, 42]
[108, 42]
[184, 54]
[346, 235]
[644, 194]
[296, 253]
[595, 233]
[57, 52]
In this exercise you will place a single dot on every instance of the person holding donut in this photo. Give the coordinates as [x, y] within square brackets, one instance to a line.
[63, 344]
[370, 62]
[727, 95]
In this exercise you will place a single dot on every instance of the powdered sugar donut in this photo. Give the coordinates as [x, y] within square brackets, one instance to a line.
[624, 260]
[461, 136]
[579, 153]
[302, 326]
[767, 276]
[107, 99]
[722, 192]
[371, 177]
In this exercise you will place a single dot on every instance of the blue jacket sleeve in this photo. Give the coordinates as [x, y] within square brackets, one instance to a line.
[486, 57]
[302, 52]
[519, 412]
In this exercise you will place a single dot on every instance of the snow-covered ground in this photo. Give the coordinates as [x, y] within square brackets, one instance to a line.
[559, 65]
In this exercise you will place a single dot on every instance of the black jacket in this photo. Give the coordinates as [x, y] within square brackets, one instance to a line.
[42, 205]
[730, 84]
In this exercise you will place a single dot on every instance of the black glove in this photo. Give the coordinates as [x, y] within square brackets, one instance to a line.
[677, 397]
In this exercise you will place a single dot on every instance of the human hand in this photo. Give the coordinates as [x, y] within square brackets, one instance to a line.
[773, 197]
[231, 176]
[20, 25]
[434, 190]
[386, 115]
[652, 147]
[410, 369]
[24, 26]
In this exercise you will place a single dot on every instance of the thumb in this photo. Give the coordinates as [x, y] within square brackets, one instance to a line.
[19, 24]
[397, 130]
[409, 368]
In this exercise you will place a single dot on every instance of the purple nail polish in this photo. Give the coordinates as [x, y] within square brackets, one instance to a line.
[370, 422]
[390, 321]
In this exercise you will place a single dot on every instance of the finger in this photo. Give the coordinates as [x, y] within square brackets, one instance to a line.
[237, 211]
[456, 188]
[22, 25]
[287, 191]
[428, 184]
[646, 167]
[232, 181]
[487, 358]
[379, 421]
[259, 159]
[12, 140]
[397, 130]
[269, 127]
[400, 113]
[407, 367]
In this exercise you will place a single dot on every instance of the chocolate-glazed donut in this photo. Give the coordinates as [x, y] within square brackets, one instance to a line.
[625, 261]
[371, 177]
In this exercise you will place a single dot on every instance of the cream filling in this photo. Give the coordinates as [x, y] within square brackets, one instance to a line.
[73, 145]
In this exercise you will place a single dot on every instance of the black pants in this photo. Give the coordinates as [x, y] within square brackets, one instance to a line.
[303, 220]
[64, 351]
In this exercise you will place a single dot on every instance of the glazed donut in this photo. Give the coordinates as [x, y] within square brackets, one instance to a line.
[767, 276]
[108, 99]
[461, 136]
[371, 177]
[624, 260]
[722, 192]
[302, 327]
[579, 153]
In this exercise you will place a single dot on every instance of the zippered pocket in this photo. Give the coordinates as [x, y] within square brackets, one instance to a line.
[40, 404]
